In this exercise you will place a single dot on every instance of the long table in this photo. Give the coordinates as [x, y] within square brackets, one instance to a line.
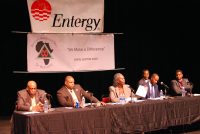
[144, 116]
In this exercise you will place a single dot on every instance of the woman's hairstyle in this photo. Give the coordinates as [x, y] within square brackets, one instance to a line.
[116, 76]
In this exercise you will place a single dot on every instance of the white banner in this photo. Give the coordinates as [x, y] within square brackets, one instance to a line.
[66, 16]
[70, 52]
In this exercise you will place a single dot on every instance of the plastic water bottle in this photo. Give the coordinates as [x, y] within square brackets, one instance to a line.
[122, 100]
[46, 106]
[77, 105]
[83, 102]
[161, 94]
[183, 92]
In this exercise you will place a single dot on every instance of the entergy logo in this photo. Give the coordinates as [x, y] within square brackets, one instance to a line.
[41, 10]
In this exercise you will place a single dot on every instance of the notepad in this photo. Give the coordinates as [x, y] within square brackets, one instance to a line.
[142, 91]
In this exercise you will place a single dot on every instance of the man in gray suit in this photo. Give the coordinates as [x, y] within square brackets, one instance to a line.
[180, 84]
[70, 93]
[31, 98]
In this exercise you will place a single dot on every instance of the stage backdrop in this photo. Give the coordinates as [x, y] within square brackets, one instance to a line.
[70, 52]
[66, 16]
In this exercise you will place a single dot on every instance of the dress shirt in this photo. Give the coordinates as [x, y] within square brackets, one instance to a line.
[75, 99]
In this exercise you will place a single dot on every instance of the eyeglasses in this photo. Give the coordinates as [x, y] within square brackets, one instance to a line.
[32, 88]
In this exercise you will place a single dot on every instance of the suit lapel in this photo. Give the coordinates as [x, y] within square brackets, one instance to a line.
[28, 99]
[69, 94]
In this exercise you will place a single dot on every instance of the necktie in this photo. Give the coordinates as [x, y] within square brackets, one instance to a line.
[152, 92]
[181, 83]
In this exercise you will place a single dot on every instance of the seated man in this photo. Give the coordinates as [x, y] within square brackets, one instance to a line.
[152, 87]
[71, 93]
[180, 84]
[31, 98]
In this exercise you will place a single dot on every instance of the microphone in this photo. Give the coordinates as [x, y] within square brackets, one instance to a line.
[132, 90]
[48, 95]
[91, 97]
[50, 99]
[163, 84]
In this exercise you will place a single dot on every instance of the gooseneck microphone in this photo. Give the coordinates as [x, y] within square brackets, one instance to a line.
[163, 84]
[48, 95]
[132, 92]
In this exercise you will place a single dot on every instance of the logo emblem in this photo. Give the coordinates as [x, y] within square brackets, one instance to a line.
[44, 51]
[41, 10]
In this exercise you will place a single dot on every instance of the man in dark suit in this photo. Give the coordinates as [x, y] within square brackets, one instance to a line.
[31, 98]
[180, 84]
[71, 93]
[152, 85]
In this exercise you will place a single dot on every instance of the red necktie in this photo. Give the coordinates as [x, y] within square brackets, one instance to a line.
[180, 83]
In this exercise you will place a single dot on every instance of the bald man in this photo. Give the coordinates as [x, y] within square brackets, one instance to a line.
[31, 98]
[70, 93]
[153, 91]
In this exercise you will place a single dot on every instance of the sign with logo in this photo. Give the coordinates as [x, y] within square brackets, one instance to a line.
[66, 16]
[70, 52]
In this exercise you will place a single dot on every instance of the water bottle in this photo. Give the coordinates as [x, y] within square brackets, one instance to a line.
[46, 106]
[161, 94]
[183, 92]
[122, 100]
[77, 104]
[83, 102]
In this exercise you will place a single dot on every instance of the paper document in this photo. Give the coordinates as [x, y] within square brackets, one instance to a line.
[196, 94]
[30, 112]
[142, 91]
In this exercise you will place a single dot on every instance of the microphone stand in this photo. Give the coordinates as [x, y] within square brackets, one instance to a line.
[131, 96]
[131, 93]
[49, 97]
[91, 95]
[165, 92]
[191, 86]
[165, 89]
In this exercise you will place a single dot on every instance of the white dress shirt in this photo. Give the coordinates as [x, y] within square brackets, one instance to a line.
[75, 99]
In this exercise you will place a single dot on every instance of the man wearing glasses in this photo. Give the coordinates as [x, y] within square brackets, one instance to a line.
[31, 98]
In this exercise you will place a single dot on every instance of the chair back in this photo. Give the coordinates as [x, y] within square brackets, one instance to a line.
[105, 99]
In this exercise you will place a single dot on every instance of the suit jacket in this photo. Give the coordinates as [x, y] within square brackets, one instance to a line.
[175, 86]
[114, 92]
[156, 90]
[142, 82]
[24, 99]
[65, 98]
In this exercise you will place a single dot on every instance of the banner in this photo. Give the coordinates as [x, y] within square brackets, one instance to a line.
[70, 52]
[66, 16]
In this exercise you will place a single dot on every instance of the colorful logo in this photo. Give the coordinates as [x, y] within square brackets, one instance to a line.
[41, 10]
[44, 51]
